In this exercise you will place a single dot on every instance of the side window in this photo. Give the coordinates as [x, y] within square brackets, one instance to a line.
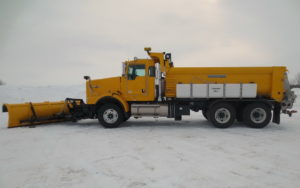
[135, 70]
[152, 71]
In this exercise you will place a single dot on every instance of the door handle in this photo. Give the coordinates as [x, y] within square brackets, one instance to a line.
[143, 90]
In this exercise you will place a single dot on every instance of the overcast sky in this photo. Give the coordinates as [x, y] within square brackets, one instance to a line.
[57, 42]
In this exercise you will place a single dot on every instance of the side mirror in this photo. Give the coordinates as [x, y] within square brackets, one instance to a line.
[87, 77]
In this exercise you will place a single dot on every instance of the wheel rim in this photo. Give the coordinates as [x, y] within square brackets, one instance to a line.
[110, 116]
[222, 115]
[258, 115]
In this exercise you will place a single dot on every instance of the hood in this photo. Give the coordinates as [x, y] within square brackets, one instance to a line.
[103, 86]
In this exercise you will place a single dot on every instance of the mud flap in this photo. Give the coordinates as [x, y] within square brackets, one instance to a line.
[276, 113]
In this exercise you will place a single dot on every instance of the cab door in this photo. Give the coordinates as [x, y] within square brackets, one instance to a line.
[139, 84]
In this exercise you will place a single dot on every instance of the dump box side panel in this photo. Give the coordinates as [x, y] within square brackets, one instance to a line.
[269, 80]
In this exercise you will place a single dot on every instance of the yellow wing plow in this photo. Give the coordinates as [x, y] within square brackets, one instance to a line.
[40, 113]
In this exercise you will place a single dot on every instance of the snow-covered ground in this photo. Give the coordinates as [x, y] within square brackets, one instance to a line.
[144, 152]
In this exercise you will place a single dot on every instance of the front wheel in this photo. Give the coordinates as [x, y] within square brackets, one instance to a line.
[110, 115]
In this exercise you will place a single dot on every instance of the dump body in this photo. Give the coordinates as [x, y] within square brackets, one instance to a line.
[269, 80]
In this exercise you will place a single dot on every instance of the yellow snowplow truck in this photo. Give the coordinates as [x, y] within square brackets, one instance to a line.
[154, 87]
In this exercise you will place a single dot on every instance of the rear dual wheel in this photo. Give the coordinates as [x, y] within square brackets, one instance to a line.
[221, 115]
[257, 115]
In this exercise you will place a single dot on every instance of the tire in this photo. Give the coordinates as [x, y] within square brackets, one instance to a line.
[204, 113]
[257, 115]
[222, 115]
[110, 116]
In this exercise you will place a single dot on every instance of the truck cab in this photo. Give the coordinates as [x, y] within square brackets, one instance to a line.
[143, 79]
[138, 80]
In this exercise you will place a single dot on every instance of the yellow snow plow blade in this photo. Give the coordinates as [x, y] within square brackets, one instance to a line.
[36, 113]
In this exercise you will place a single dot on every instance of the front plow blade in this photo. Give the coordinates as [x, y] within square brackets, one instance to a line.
[36, 113]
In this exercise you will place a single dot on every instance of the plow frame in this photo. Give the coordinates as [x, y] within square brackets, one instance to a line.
[79, 110]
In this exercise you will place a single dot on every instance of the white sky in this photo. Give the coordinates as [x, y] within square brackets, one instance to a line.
[57, 42]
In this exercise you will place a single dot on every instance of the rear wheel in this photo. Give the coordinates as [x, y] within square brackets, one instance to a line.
[257, 115]
[222, 115]
[110, 115]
